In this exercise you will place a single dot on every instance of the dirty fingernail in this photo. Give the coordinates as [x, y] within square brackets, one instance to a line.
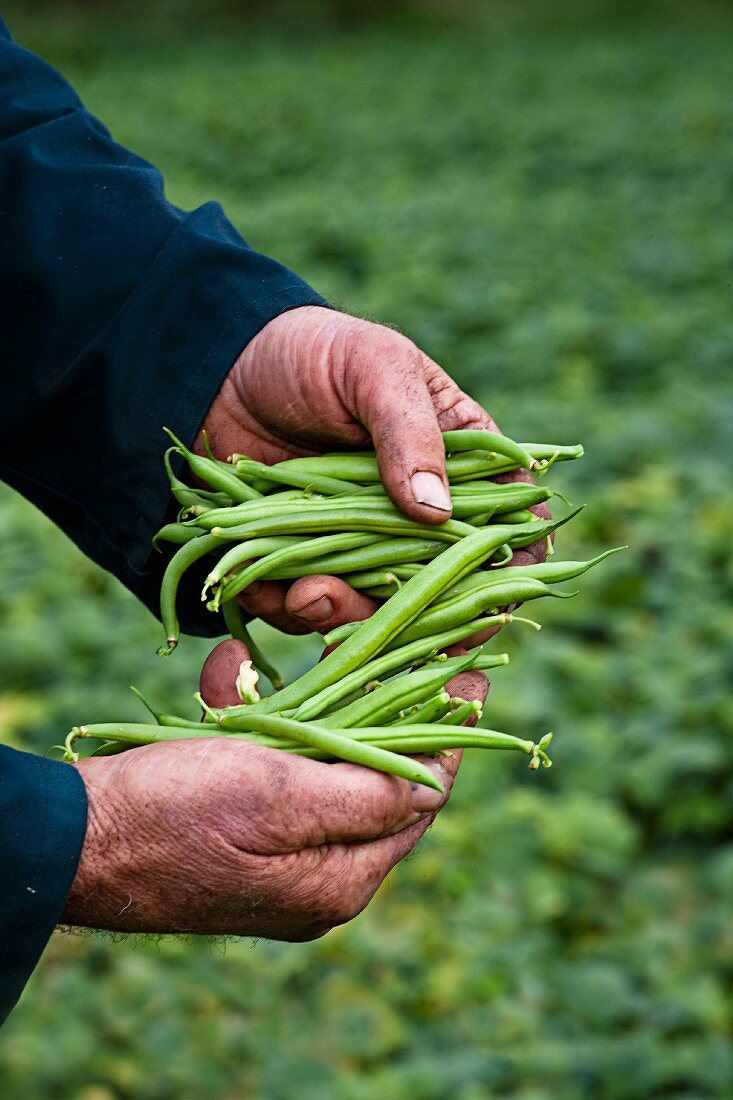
[317, 611]
[429, 489]
[425, 799]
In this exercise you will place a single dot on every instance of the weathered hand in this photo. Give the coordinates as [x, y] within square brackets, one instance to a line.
[314, 380]
[218, 836]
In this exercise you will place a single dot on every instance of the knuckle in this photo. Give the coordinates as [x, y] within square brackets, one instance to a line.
[456, 410]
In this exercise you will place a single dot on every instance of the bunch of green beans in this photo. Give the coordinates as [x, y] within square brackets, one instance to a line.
[384, 691]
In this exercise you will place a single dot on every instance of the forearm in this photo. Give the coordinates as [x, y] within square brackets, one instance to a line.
[120, 313]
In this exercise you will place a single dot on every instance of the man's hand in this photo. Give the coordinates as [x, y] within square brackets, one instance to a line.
[221, 837]
[315, 380]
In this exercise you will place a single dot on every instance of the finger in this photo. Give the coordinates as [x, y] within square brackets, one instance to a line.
[322, 602]
[391, 398]
[454, 409]
[473, 641]
[317, 803]
[357, 870]
[220, 671]
[343, 884]
[266, 600]
[537, 552]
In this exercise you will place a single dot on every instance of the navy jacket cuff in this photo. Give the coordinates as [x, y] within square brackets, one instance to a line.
[43, 815]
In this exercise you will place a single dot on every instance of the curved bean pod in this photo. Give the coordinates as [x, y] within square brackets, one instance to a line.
[392, 617]
[330, 486]
[261, 568]
[388, 700]
[313, 522]
[466, 440]
[381, 551]
[188, 554]
[178, 533]
[216, 474]
[432, 710]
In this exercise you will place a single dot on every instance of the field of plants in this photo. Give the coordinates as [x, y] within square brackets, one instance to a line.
[539, 195]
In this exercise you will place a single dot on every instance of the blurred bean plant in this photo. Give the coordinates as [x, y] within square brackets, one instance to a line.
[540, 196]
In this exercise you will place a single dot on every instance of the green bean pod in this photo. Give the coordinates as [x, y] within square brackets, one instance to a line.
[463, 710]
[544, 452]
[380, 592]
[170, 719]
[187, 496]
[330, 486]
[502, 556]
[189, 553]
[520, 516]
[380, 705]
[268, 508]
[466, 440]
[392, 617]
[487, 496]
[381, 551]
[439, 737]
[216, 474]
[374, 578]
[318, 522]
[182, 560]
[261, 568]
[433, 709]
[325, 741]
[177, 533]
[482, 601]
[361, 467]
[551, 572]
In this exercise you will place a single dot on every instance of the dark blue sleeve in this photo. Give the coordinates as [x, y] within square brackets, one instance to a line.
[43, 814]
[119, 313]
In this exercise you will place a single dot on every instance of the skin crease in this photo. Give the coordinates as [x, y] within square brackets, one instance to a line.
[315, 380]
[221, 837]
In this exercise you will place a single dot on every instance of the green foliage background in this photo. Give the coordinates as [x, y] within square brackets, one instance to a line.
[540, 195]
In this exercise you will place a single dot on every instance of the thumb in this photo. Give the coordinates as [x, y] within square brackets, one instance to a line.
[395, 404]
[220, 671]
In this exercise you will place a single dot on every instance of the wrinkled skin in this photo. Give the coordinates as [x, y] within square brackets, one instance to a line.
[218, 836]
[315, 380]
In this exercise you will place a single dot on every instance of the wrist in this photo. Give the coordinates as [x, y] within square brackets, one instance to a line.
[95, 897]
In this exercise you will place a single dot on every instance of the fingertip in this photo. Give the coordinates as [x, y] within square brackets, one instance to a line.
[423, 496]
[219, 673]
[324, 602]
[266, 600]
[472, 685]
[263, 599]
[431, 489]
